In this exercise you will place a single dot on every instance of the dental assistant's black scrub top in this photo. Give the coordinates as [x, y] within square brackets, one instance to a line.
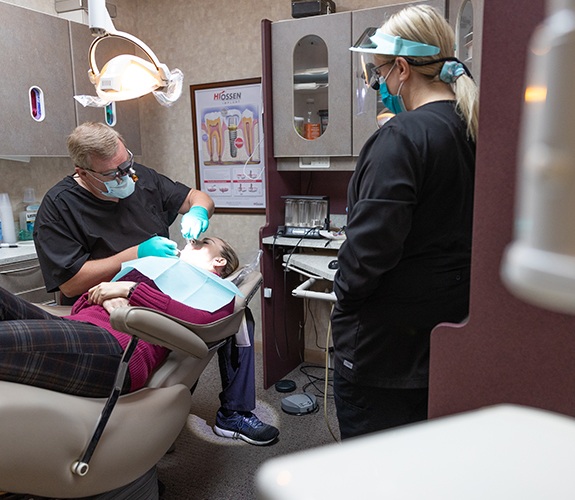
[405, 264]
[73, 226]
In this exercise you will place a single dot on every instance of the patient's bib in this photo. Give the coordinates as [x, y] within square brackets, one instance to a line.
[184, 282]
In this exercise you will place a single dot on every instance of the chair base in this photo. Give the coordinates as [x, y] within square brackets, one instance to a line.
[143, 488]
[47, 431]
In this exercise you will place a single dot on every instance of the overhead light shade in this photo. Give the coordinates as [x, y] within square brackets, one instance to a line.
[126, 77]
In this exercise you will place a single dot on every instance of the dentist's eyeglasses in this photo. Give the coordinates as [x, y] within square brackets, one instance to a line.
[121, 170]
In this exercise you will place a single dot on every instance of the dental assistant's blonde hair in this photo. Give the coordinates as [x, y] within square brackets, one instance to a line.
[424, 24]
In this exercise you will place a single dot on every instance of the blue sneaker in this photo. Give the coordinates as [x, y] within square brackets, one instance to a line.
[245, 426]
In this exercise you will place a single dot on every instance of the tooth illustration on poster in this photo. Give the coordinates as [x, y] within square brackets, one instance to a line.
[229, 143]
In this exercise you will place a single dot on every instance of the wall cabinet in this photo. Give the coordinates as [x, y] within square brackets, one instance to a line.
[51, 53]
[330, 89]
[466, 19]
[307, 79]
[35, 51]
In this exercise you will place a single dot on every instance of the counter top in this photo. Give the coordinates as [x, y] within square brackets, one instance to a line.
[25, 250]
[322, 243]
[313, 266]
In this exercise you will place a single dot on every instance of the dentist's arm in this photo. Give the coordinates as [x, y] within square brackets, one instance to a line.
[94, 272]
[197, 208]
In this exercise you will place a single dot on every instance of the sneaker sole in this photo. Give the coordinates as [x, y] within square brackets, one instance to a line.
[236, 435]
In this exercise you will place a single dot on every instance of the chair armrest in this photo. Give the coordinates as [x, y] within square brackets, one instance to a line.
[162, 329]
[159, 329]
[192, 339]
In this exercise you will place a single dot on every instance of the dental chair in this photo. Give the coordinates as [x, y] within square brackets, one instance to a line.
[59, 445]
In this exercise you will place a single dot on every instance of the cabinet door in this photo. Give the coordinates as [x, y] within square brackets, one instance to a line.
[364, 124]
[24, 279]
[34, 51]
[466, 19]
[287, 37]
[127, 112]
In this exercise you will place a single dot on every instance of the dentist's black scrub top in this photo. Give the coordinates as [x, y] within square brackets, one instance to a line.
[73, 226]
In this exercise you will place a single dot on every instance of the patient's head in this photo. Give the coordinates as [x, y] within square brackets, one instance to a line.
[212, 254]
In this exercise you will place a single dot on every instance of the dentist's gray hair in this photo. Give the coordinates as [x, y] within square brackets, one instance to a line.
[90, 140]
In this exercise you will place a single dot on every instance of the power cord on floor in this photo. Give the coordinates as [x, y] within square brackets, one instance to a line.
[328, 336]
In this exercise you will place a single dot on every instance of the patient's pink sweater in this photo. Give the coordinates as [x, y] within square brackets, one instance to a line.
[146, 357]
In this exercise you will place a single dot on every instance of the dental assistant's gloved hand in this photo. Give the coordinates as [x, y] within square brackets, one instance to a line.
[194, 223]
[158, 246]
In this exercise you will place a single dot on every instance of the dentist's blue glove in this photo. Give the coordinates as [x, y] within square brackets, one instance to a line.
[158, 246]
[194, 223]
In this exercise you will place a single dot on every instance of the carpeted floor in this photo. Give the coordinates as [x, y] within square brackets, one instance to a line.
[204, 466]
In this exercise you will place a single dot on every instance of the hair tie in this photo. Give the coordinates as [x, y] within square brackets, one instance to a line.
[451, 71]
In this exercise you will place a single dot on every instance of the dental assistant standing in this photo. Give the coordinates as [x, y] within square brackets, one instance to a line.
[405, 265]
[110, 211]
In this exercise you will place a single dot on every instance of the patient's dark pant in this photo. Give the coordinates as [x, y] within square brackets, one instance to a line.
[39, 349]
[237, 372]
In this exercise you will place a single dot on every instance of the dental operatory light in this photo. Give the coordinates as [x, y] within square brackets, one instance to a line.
[127, 76]
[539, 265]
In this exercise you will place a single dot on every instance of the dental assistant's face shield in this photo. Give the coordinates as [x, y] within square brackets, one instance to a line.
[375, 51]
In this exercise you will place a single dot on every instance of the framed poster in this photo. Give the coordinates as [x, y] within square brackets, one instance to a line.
[228, 144]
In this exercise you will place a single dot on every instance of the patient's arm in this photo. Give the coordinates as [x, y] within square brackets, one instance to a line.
[109, 290]
[111, 304]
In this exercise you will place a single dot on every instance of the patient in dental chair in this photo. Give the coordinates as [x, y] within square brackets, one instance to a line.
[80, 353]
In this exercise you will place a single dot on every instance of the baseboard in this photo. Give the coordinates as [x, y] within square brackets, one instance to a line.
[314, 356]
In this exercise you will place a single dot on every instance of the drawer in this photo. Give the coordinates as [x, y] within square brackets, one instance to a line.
[25, 280]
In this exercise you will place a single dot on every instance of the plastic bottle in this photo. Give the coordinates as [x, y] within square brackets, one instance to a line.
[311, 130]
[27, 213]
[7, 219]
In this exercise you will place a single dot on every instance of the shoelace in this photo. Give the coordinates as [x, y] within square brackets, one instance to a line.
[252, 421]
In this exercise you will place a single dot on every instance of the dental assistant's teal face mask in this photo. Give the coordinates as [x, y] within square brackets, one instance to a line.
[393, 102]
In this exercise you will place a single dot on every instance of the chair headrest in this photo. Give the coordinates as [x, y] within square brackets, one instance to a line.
[248, 285]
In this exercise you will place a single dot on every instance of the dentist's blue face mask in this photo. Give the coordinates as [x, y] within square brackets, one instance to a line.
[393, 102]
[119, 187]
[122, 179]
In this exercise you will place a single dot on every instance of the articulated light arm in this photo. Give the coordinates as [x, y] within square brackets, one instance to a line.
[99, 18]
[128, 76]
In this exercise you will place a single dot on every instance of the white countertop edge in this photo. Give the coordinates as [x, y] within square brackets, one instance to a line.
[25, 250]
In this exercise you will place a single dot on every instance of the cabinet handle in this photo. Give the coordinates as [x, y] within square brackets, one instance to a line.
[20, 269]
[37, 289]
